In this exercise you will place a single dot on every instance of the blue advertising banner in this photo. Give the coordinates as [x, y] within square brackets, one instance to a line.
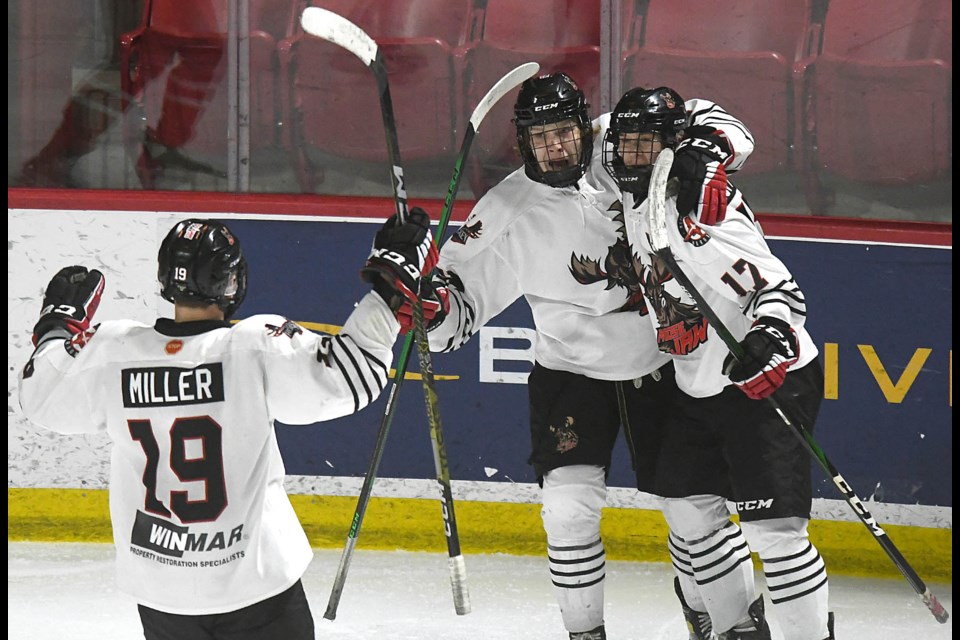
[881, 315]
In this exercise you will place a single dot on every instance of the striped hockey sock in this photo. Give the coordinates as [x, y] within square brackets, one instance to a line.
[723, 572]
[578, 572]
[798, 591]
[699, 625]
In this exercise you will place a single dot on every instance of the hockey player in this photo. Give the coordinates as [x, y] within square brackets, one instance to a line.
[207, 540]
[553, 232]
[721, 440]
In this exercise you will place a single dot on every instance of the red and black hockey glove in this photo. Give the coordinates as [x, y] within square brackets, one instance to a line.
[436, 306]
[769, 348]
[401, 253]
[699, 164]
[71, 299]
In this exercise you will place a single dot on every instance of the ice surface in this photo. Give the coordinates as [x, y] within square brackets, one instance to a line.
[67, 590]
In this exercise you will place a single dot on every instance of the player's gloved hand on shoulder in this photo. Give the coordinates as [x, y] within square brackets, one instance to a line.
[401, 253]
[71, 299]
[769, 348]
[699, 164]
[436, 306]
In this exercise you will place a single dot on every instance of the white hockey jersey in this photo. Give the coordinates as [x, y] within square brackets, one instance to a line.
[565, 250]
[732, 267]
[201, 521]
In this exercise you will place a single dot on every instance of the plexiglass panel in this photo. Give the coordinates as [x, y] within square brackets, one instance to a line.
[231, 95]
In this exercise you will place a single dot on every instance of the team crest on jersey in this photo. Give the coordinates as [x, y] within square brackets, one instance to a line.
[289, 328]
[691, 231]
[468, 231]
[620, 268]
[79, 341]
[567, 438]
[681, 327]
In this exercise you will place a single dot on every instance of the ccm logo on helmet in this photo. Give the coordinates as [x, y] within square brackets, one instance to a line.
[544, 107]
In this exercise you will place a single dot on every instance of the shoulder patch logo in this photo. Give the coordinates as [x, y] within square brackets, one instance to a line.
[289, 328]
[79, 341]
[468, 231]
[692, 232]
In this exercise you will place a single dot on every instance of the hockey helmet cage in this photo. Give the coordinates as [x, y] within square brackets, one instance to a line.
[200, 261]
[545, 100]
[640, 110]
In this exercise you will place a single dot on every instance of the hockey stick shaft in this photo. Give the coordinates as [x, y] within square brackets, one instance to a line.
[455, 561]
[336, 29]
[657, 196]
[456, 564]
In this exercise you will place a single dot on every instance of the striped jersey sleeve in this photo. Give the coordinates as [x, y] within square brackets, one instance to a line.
[315, 377]
[705, 113]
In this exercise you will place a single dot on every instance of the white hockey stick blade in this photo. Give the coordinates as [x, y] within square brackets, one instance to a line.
[338, 30]
[657, 200]
[504, 85]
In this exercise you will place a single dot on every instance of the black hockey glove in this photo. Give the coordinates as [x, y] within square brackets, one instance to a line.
[770, 348]
[699, 164]
[71, 299]
[401, 253]
[436, 306]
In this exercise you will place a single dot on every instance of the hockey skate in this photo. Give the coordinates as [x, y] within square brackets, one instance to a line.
[760, 631]
[698, 622]
[594, 634]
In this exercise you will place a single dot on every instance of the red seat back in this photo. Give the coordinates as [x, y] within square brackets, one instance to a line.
[873, 31]
[737, 53]
[561, 35]
[331, 97]
[542, 24]
[878, 99]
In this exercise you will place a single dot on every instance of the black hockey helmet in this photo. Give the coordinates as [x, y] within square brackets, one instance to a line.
[546, 100]
[201, 261]
[640, 110]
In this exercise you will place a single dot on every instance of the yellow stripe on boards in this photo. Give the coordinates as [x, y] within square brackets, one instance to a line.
[413, 524]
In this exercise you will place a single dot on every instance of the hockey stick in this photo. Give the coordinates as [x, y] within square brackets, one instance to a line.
[340, 31]
[658, 193]
[336, 29]
[455, 560]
